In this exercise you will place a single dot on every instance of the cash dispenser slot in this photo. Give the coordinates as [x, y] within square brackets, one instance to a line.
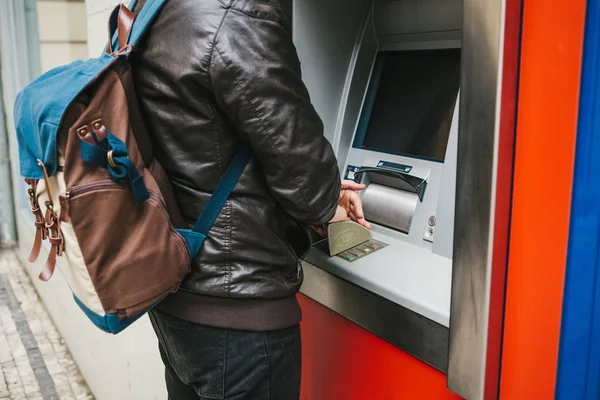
[391, 197]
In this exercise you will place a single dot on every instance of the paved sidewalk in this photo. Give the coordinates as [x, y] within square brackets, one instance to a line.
[34, 361]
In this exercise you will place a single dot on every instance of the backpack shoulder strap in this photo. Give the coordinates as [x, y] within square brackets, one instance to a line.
[145, 16]
[223, 190]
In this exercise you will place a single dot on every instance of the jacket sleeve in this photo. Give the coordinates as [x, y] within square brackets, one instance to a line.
[255, 75]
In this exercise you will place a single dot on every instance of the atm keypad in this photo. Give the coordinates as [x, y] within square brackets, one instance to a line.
[362, 250]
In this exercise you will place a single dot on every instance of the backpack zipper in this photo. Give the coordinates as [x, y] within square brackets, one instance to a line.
[64, 198]
[87, 187]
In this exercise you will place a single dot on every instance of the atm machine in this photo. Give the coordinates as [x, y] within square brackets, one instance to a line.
[386, 77]
[396, 131]
[402, 145]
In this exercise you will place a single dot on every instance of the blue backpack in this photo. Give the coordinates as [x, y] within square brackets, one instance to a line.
[98, 194]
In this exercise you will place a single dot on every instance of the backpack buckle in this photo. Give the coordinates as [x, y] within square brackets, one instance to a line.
[128, 49]
[110, 159]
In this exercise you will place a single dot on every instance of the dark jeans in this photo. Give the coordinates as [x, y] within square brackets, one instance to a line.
[210, 363]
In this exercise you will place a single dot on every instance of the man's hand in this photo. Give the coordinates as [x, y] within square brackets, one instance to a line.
[349, 206]
[350, 202]
[340, 215]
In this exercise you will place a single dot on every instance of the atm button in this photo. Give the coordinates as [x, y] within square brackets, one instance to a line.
[374, 245]
[354, 252]
[346, 255]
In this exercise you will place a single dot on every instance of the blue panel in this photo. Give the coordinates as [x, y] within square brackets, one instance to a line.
[578, 375]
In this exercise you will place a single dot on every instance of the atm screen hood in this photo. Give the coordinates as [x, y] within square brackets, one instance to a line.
[410, 21]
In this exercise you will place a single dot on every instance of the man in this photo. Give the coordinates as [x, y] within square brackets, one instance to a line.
[210, 74]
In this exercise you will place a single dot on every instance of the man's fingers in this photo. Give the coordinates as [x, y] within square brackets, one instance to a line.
[356, 205]
[351, 185]
[364, 223]
[360, 221]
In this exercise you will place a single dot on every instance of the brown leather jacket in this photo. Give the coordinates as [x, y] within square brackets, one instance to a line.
[209, 74]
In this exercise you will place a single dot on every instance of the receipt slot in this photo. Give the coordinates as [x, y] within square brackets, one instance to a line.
[391, 80]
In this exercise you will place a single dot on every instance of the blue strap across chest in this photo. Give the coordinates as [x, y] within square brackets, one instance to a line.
[223, 190]
[195, 237]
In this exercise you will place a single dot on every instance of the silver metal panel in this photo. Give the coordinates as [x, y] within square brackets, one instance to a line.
[444, 227]
[403, 328]
[389, 207]
[325, 34]
[486, 134]
[355, 89]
